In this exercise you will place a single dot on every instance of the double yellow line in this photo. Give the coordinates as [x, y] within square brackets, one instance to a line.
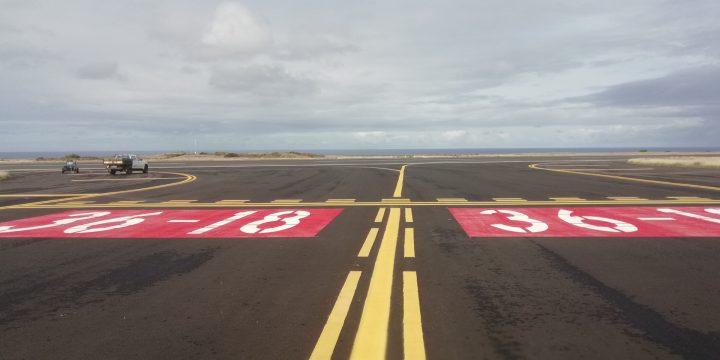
[371, 339]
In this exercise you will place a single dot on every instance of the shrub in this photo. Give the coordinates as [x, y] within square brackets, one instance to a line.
[231, 155]
[72, 156]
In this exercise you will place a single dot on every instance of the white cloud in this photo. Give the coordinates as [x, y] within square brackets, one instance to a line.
[234, 29]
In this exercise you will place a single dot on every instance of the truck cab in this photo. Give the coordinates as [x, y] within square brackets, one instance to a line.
[126, 163]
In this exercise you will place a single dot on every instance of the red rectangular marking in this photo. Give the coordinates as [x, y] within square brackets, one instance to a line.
[152, 223]
[590, 221]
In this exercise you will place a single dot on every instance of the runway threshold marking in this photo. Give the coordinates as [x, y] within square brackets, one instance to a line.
[330, 334]
[626, 178]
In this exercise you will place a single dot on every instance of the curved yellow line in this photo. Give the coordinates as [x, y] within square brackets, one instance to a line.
[616, 177]
[187, 178]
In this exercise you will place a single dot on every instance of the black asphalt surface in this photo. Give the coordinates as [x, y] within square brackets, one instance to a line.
[480, 298]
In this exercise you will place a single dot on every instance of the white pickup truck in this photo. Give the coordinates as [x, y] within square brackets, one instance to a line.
[126, 163]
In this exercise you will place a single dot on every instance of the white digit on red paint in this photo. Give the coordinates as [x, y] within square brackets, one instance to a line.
[124, 221]
[694, 216]
[534, 227]
[618, 226]
[71, 219]
[289, 222]
[220, 223]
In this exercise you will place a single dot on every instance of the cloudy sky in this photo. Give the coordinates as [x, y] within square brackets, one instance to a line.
[324, 74]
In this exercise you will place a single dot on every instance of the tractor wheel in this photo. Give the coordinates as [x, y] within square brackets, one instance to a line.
[77, 171]
[128, 171]
[145, 169]
[112, 172]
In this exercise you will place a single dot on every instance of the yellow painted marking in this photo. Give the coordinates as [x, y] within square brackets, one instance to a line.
[617, 177]
[286, 201]
[127, 202]
[380, 215]
[399, 185]
[129, 179]
[42, 195]
[50, 203]
[567, 199]
[394, 201]
[180, 201]
[625, 198]
[340, 200]
[231, 201]
[408, 215]
[331, 332]
[451, 199]
[510, 199]
[687, 198]
[372, 334]
[77, 202]
[409, 243]
[368, 244]
[56, 204]
[413, 341]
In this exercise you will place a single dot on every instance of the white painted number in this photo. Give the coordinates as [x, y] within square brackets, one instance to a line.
[534, 227]
[694, 216]
[124, 221]
[71, 219]
[289, 222]
[220, 223]
[618, 226]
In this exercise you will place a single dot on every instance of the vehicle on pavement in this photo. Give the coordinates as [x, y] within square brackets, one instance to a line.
[71, 166]
[125, 163]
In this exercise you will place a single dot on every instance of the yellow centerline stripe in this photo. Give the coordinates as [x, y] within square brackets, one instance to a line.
[617, 177]
[413, 342]
[372, 335]
[380, 215]
[399, 185]
[331, 332]
[369, 241]
[408, 215]
[409, 243]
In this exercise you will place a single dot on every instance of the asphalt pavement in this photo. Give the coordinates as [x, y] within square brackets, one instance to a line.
[483, 258]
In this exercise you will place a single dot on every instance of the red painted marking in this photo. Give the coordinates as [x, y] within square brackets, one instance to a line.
[589, 222]
[154, 224]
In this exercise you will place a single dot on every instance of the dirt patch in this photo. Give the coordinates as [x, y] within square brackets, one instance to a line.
[683, 161]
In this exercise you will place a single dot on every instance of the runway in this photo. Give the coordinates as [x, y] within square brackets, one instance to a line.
[481, 258]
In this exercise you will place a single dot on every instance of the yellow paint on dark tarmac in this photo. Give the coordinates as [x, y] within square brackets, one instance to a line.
[325, 345]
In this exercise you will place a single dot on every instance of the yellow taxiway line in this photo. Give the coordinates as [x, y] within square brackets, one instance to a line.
[372, 335]
[399, 185]
[325, 345]
[626, 178]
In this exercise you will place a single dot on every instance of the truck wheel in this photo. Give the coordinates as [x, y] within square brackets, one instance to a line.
[77, 171]
[128, 171]
[63, 171]
[112, 172]
[145, 169]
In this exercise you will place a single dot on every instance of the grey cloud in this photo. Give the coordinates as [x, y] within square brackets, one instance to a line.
[694, 87]
[99, 71]
[264, 80]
